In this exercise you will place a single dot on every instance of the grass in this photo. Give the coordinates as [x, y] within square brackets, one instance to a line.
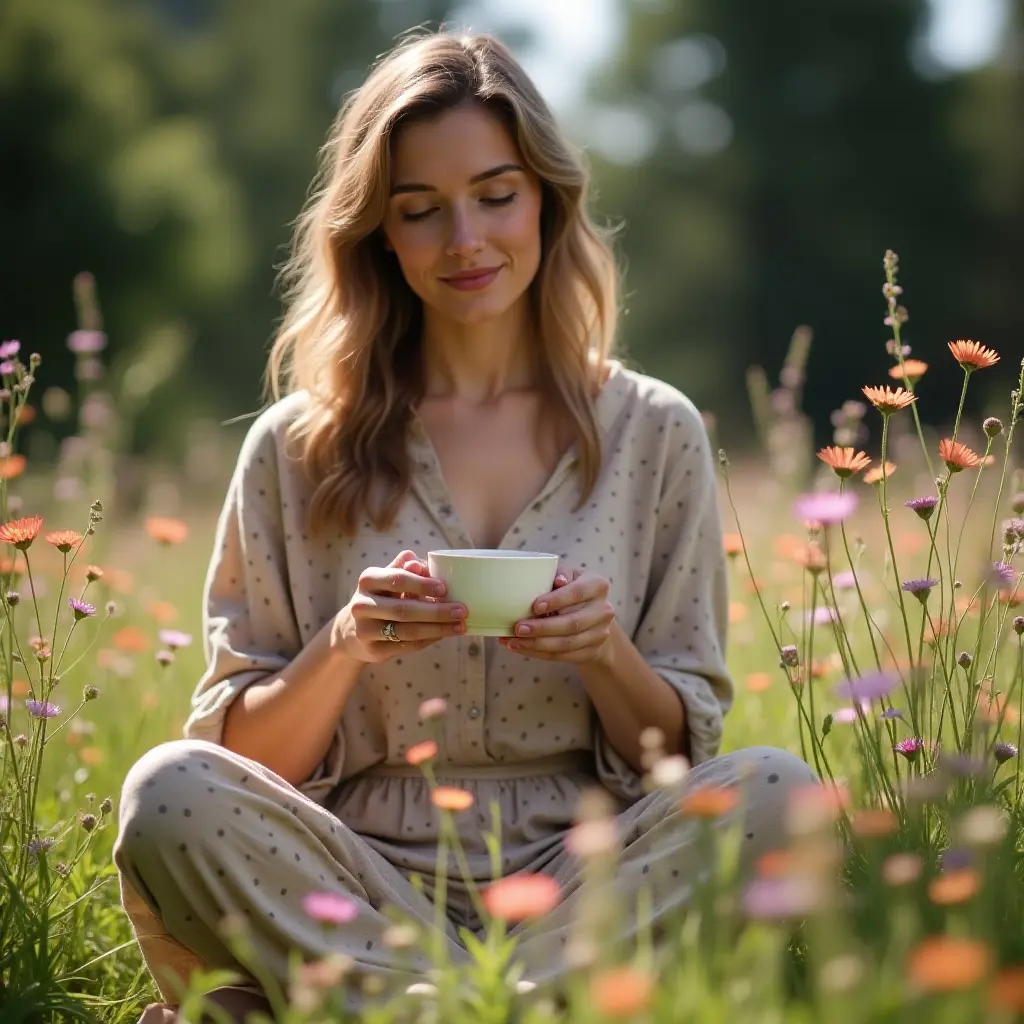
[901, 889]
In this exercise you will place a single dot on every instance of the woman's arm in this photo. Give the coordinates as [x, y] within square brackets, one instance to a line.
[287, 722]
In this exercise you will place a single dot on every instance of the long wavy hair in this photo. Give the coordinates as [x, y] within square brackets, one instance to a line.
[350, 336]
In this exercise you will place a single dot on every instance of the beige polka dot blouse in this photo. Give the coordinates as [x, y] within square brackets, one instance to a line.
[651, 528]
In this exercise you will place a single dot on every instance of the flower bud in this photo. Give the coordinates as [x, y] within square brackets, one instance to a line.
[96, 506]
[723, 459]
[1018, 625]
[790, 656]
[965, 659]
[62, 869]
[34, 360]
[13, 597]
[785, 606]
[90, 693]
[88, 822]
[164, 658]
[21, 740]
[106, 805]
[992, 426]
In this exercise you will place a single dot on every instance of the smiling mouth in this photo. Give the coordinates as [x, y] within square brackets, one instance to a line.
[473, 281]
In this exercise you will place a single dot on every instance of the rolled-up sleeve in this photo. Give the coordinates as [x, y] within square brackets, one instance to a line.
[682, 630]
[249, 626]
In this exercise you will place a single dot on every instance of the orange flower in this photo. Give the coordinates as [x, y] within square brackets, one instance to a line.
[131, 640]
[972, 355]
[20, 687]
[622, 992]
[912, 370]
[519, 897]
[26, 414]
[12, 466]
[12, 566]
[733, 544]
[91, 756]
[758, 682]
[812, 558]
[737, 611]
[945, 964]
[163, 611]
[1007, 990]
[954, 887]
[889, 400]
[875, 474]
[421, 752]
[775, 863]
[64, 540]
[709, 801]
[21, 532]
[93, 572]
[166, 531]
[957, 456]
[844, 462]
[873, 822]
[449, 798]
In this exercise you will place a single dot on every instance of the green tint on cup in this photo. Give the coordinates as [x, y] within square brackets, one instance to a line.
[497, 587]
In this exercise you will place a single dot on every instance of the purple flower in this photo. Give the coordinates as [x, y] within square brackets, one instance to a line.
[1003, 574]
[909, 748]
[4, 702]
[82, 609]
[7, 367]
[775, 899]
[924, 507]
[867, 688]
[174, 638]
[847, 716]
[37, 847]
[920, 588]
[844, 580]
[329, 907]
[889, 713]
[42, 709]
[1003, 751]
[87, 342]
[164, 657]
[1013, 531]
[823, 615]
[825, 507]
[9, 349]
[956, 859]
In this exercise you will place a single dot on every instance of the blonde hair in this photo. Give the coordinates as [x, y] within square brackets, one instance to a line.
[350, 334]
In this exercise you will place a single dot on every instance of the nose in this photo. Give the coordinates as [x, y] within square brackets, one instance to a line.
[465, 238]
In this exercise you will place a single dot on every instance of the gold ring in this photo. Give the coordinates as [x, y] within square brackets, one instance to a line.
[388, 632]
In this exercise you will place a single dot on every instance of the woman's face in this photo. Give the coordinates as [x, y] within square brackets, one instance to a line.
[464, 215]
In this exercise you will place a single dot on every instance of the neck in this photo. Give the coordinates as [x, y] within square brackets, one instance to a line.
[479, 362]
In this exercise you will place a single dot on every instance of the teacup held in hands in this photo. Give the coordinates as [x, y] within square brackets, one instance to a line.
[497, 587]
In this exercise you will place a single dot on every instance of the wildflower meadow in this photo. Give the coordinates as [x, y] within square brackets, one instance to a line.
[876, 629]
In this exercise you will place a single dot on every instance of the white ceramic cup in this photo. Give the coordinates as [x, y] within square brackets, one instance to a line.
[497, 587]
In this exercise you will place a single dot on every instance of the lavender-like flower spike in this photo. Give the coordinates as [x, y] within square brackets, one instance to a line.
[909, 748]
[924, 507]
[81, 609]
[1003, 751]
[920, 588]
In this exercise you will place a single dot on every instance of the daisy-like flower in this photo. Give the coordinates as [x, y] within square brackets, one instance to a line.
[622, 992]
[910, 748]
[165, 530]
[709, 801]
[42, 709]
[957, 456]
[875, 474]
[521, 897]
[81, 609]
[174, 638]
[924, 507]
[9, 349]
[919, 588]
[825, 507]
[1003, 751]
[972, 355]
[868, 687]
[948, 963]
[420, 752]
[64, 540]
[844, 462]
[449, 798]
[330, 908]
[21, 532]
[732, 544]
[12, 466]
[912, 370]
[889, 400]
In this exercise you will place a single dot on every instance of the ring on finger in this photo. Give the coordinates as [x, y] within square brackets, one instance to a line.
[388, 632]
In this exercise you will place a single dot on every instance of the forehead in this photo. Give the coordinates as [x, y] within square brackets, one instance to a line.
[451, 148]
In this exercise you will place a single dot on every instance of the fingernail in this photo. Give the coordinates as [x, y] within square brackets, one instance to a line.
[523, 630]
[561, 579]
[542, 606]
[458, 612]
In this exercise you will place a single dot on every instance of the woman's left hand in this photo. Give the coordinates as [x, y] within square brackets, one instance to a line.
[572, 623]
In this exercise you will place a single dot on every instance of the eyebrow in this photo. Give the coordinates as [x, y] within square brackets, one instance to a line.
[415, 186]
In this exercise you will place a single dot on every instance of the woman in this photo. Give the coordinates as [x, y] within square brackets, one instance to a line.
[446, 358]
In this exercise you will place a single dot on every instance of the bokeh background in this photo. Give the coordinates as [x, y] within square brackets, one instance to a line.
[759, 158]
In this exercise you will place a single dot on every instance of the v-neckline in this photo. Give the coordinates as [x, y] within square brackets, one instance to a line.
[428, 462]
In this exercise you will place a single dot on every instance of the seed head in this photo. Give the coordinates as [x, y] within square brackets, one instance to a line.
[1018, 625]
[13, 597]
[790, 656]
[992, 426]
[1003, 751]
[90, 693]
[106, 805]
[88, 822]
[21, 740]
[964, 660]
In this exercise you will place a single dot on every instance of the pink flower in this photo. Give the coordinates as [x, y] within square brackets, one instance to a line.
[330, 907]
[87, 342]
[826, 507]
[174, 638]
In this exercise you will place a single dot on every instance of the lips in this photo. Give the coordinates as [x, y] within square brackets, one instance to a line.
[472, 280]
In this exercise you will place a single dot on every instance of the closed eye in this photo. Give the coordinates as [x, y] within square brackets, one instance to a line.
[499, 200]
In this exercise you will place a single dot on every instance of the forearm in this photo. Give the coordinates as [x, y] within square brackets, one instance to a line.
[629, 696]
[287, 722]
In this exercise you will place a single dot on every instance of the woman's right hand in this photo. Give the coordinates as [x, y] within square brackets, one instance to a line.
[405, 594]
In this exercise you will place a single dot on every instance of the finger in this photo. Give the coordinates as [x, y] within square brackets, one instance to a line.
[393, 580]
[414, 632]
[572, 646]
[568, 623]
[382, 606]
[585, 587]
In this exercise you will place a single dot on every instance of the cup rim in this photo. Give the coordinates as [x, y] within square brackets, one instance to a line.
[495, 553]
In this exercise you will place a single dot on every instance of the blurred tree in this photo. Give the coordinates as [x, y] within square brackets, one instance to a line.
[763, 161]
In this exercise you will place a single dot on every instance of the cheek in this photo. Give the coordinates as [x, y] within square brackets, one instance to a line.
[522, 234]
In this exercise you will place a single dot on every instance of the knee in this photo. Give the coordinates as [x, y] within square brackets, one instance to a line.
[168, 790]
[775, 770]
